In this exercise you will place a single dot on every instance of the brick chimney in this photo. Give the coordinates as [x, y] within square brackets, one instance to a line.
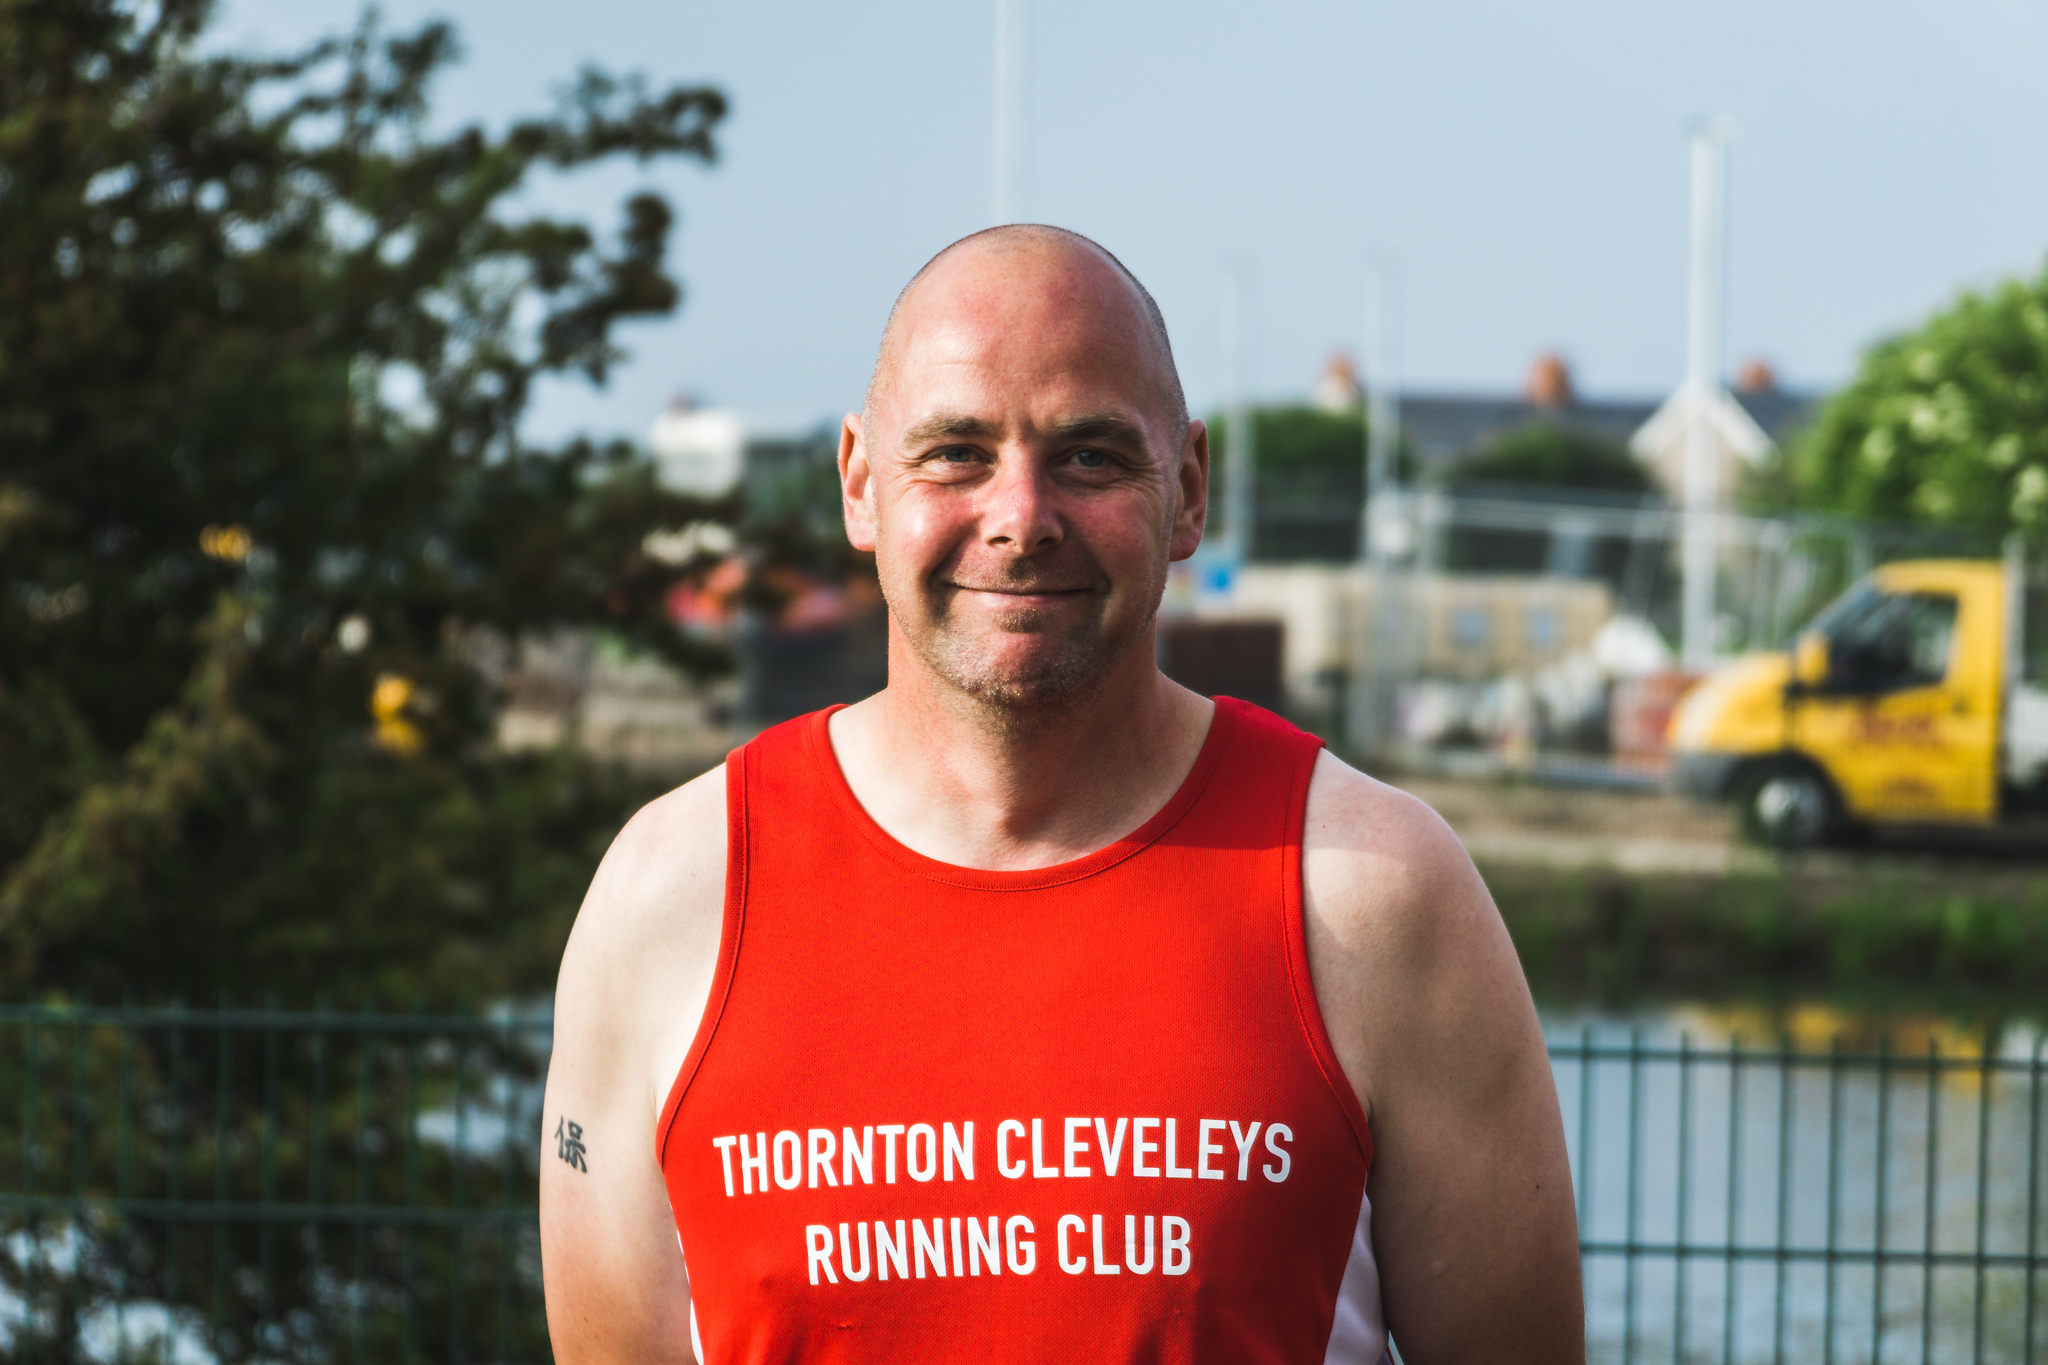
[1338, 390]
[1550, 382]
[1756, 376]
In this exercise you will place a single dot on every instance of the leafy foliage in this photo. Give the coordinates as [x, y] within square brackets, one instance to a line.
[311, 1114]
[265, 341]
[1890, 935]
[1309, 481]
[1560, 456]
[1946, 424]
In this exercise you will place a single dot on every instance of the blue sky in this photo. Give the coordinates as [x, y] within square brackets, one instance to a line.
[1525, 164]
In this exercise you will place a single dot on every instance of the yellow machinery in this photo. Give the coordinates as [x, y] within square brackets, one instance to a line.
[1920, 695]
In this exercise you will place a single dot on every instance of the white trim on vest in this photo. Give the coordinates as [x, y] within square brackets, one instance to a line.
[1358, 1331]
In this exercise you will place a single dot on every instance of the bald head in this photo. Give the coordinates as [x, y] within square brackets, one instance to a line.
[1033, 256]
[1024, 472]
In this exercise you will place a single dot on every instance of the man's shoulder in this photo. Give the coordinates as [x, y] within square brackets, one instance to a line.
[677, 834]
[651, 921]
[1372, 850]
[1411, 964]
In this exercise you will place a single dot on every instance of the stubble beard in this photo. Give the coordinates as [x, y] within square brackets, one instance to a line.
[1033, 698]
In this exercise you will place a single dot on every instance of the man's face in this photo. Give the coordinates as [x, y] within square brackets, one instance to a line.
[1020, 475]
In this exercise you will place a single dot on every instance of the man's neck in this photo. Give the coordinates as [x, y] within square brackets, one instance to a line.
[944, 777]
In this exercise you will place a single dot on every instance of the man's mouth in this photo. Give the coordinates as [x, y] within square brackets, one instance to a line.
[1025, 596]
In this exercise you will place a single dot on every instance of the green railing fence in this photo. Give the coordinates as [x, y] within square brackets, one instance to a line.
[188, 1185]
[238, 1184]
[1763, 1204]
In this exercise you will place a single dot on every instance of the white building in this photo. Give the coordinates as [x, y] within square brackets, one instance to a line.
[1739, 444]
[710, 452]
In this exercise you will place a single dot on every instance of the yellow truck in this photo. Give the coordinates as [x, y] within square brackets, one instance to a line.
[1919, 696]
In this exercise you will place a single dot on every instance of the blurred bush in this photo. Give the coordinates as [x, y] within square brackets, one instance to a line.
[1545, 453]
[1945, 424]
[1308, 481]
[1877, 932]
[265, 341]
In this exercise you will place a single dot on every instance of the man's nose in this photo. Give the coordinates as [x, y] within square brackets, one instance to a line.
[1017, 512]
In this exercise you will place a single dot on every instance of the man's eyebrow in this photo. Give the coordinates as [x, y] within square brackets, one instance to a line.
[1098, 427]
[949, 426]
[960, 426]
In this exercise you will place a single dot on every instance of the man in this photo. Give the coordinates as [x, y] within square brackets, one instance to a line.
[1037, 1008]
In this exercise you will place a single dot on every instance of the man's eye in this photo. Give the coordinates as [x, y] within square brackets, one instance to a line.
[957, 455]
[1090, 459]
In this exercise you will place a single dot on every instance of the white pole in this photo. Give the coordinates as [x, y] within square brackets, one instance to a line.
[1240, 338]
[1009, 149]
[1705, 303]
[1372, 708]
[2015, 612]
[1382, 406]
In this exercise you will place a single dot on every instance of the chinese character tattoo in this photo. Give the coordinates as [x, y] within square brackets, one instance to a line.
[569, 1143]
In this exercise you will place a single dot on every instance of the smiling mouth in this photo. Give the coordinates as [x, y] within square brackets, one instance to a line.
[1022, 592]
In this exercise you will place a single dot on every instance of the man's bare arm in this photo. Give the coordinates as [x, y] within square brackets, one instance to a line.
[1472, 1217]
[634, 981]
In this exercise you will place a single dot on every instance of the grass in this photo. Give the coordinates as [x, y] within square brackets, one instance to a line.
[1881, 935]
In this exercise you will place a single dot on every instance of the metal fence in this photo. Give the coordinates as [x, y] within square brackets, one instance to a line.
[1505, 628]
[1738, 1204]
[248, 1184]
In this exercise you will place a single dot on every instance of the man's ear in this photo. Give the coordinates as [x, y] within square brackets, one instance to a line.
[856, 485]
[1193, 487]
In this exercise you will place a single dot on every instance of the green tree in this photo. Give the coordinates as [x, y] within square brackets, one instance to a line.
[265, 342]
[1945, 424]
[1309, 481]
[1560, 456]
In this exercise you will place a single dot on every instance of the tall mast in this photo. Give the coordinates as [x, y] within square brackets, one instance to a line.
[1382, 405]
[1705, 305]
[1009, 149]
[1240, 330]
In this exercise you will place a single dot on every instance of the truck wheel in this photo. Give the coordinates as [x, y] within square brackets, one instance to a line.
[1790, 806]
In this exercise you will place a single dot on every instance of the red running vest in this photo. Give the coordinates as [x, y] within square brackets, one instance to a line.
[1084, 1112]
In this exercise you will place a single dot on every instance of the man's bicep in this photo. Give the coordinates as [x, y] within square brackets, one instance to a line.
[616, 1287]
[1474, 1225]
[1472, 1216]
[1471, 1184]
[634, 978]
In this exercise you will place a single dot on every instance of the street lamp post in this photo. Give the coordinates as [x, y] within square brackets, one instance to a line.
[1240, 343]
[1705, 304]
[1009, 132]
[1382, 529]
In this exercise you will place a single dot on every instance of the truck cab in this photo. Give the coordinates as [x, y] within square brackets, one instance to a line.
[1918, 696]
